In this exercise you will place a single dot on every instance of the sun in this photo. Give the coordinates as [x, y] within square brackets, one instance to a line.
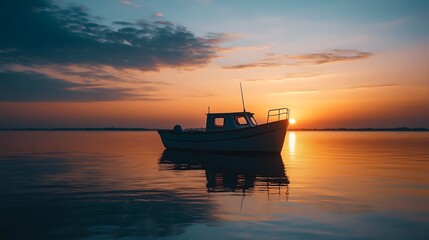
[292, 121]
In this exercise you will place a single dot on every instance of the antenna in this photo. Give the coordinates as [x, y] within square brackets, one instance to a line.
[242, 98]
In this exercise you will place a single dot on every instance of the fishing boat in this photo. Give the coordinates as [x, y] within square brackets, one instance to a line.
[232, 132]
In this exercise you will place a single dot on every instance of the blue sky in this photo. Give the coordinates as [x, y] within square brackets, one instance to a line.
[203, 16]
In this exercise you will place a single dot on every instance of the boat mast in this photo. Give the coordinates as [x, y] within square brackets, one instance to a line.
[242, 98]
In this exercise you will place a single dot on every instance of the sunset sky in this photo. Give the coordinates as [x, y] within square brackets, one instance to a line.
[157, 63]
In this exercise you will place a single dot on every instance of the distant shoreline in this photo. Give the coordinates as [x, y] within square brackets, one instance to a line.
[399, 129]
[77, 129]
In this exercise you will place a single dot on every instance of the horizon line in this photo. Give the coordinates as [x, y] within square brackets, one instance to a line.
[155, 129]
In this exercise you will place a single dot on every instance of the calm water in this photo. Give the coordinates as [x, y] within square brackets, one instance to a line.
[123, 185]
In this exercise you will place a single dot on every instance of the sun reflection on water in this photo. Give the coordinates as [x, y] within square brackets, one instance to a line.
[292, 140]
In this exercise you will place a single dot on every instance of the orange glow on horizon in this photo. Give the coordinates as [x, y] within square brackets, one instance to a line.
[351, 95]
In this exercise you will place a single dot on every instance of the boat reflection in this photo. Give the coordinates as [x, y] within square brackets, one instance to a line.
[230, 172]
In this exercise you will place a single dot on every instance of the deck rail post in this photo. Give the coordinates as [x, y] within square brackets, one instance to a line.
[279, 112]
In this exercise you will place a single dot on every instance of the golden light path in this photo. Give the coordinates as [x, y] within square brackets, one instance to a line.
[292, 140]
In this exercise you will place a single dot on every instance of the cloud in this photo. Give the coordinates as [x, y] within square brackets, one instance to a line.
[276, 60]
[336, 55]
[254, 65]
[31, 86]
[301, 91]
[158, 15]
[287, 76]
[105, 76]
[272, 60]
[67, 55]
[38, 32]
[129, 3]
[243, 48]
[367, 86]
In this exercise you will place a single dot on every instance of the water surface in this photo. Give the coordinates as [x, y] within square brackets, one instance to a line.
[124, 185]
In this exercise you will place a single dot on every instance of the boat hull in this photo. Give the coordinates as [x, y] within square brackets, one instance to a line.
[267, 137]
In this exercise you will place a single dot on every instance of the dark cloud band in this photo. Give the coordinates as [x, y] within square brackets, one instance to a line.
[31, 86]
[39, 32]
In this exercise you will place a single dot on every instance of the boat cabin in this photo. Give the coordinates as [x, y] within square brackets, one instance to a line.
[229, 121]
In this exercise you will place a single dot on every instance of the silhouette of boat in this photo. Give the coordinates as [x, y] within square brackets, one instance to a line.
[232, 132]
[227, 172]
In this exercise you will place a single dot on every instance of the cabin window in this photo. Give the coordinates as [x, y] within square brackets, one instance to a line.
[241, 120]
[219, 122]
[253, 120]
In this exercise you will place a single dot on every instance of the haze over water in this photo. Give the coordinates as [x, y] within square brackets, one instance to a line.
[124, 185]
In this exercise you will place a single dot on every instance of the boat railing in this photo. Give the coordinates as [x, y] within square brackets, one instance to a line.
[280, 113]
